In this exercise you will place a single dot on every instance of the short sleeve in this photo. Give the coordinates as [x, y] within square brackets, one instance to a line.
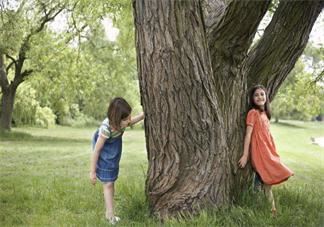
[104, 129]
[251, 118]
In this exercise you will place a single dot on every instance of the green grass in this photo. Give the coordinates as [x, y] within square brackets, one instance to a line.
[297, 151]
[44, 182]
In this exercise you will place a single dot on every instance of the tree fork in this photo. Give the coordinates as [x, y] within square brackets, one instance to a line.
[194, 75]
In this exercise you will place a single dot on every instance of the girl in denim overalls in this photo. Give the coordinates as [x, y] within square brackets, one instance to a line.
[107, 145]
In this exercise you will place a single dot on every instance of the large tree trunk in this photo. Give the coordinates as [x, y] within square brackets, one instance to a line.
[194, 70]
[8, 93]
[5, 111]
[7, 105]
[184, 133]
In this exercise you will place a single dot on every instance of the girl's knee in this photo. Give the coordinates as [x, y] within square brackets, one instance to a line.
[109, 185]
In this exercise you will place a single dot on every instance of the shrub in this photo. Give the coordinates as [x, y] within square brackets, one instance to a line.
[45, 117]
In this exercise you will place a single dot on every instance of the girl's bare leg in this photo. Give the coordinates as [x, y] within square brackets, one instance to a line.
[269, 194]
[109, 191]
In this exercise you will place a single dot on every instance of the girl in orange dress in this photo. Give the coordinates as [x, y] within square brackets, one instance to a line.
[258, 140]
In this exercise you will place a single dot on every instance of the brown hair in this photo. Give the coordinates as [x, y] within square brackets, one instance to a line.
[252, 105]
[118, 110]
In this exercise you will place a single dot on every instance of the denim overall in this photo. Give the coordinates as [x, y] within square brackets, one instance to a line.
[107, 168]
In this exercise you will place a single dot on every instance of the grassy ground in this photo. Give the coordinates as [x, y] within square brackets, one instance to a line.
[44, 182]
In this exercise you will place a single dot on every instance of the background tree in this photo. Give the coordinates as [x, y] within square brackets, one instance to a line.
[315, 55]
[72, 66]
[299, 98]
[196, 63]
[301, 95]
[13, 55]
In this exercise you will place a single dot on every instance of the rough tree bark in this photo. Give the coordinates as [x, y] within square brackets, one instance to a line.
[195, 68]
[183, 128]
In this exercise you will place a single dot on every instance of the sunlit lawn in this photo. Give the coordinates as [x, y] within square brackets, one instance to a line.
[293, 140]
[44, 182]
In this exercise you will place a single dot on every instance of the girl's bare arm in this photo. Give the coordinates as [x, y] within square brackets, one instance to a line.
[137, 118]
[247, 141]
[94, 157]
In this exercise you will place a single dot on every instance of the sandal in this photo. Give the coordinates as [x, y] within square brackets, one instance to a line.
[113, 220]
[274, 212]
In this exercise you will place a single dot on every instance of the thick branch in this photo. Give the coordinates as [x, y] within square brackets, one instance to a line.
[229, 40]
[234, 32]
[282, 43]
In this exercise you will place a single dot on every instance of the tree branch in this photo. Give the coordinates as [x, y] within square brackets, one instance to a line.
[13, 62]
[229, 38]
[319, 77]
[11, 58]
[9, 66]
[234, 31]
[26, 73]
[74, 30]
[19, 78]
[284, 40]
[49, 16]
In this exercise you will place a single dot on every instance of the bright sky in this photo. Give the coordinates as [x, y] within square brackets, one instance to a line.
[317, 34]
[60, 25]
[110, 30]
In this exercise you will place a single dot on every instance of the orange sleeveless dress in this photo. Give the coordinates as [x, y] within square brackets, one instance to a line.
[264, 157]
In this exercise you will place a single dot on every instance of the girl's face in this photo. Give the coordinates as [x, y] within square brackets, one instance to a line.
[125, 122]
[259, 97]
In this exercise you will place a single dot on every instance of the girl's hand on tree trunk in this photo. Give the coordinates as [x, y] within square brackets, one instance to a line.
[242, 162]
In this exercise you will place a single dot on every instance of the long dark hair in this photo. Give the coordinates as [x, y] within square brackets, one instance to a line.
[118, 110]
[252, 105]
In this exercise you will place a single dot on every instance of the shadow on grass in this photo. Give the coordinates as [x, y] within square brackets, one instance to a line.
[26, 137]
[289, 125]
